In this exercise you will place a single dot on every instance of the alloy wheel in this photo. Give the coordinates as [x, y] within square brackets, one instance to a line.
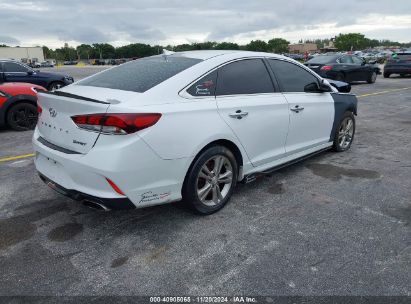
[24, 117]
[214, 180]
[346, 132]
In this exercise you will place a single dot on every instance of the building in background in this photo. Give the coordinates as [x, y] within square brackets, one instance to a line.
[25, 54]
[302, 48]
[329, 47]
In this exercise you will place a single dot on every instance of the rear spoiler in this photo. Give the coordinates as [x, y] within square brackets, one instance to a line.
[65, 94]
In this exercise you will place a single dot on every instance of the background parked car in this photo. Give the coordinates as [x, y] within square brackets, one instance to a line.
[399, 64]
[70, 62]
[18, 105]
[344, 67]
[13, 71]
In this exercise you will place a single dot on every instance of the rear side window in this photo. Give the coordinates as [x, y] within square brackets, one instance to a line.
[248, 76]
[205, 86]
[346, 59]
[357, 60]
[14, 67]
[142, 74]
[322, 59]
[292, 78]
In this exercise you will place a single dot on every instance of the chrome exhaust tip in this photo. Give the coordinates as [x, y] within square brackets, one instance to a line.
[95, 205]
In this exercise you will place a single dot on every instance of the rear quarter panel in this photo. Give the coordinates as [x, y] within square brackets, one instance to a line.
[185, 127]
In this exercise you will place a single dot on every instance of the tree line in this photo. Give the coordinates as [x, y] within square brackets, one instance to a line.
[343, 42]
[138, 50]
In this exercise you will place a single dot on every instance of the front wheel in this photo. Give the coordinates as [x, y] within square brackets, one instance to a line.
[22, 117]
[372, 78]
[340, 77]
[55, 86]
[211, 180]
[344, 135]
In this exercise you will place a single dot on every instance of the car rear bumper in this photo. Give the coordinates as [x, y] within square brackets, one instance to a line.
[397, 70]
[104, 203]
[143, 177]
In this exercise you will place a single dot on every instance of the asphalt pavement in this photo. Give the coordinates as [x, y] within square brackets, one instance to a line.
[336, 224]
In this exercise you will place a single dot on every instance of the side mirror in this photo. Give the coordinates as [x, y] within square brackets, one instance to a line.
[314, 87]
[30, 72]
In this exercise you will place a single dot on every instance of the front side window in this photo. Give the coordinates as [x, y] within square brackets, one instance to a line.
[205, 86]
[291, 77]
[12, 67]
[142, 74]
[249, 76]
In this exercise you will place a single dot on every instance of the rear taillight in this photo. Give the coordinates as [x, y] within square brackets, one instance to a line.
[39, 109]
[116, 123]
[327, 68]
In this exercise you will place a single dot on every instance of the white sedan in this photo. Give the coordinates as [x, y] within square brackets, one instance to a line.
[185, 126]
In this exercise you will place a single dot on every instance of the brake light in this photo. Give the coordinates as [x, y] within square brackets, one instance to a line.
[116, 123]
[39, 109]
[327, 68]
[115, 187]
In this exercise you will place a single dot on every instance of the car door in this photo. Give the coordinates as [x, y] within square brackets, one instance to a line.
[14, 72]
[311, 113]
[362, 70]
[257, 114]
[348, 68]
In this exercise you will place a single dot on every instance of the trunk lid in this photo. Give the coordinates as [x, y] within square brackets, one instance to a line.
[56, 126]
[316, 67]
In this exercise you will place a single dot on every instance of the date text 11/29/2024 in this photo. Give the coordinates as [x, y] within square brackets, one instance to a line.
[203, 299]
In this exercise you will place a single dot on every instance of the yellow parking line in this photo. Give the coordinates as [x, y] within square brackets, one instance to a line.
[384, 92]
[10, 158]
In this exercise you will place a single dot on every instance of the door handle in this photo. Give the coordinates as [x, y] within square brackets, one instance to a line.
[297, 109]
[238, 114]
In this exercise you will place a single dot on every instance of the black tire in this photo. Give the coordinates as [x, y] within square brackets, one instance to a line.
[338, 145]
[55, 85]
[372, 77]
[194, 183]
[22, 117]
[386, 75]
[340, 77]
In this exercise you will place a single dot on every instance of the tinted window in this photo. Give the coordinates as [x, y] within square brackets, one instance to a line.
[142, 74]
[292, 78]
[205, 86]
[244, 77]
[403, 56]
[346, 59]
[323, 59]
[14, 67]
[357, 60]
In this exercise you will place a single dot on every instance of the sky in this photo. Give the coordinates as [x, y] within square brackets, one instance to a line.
[53, 22]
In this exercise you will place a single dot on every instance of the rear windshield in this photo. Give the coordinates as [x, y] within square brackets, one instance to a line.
[405, 56]
[323, 59]
[142, 74]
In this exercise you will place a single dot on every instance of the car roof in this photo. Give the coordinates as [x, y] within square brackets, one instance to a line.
[208, 54]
